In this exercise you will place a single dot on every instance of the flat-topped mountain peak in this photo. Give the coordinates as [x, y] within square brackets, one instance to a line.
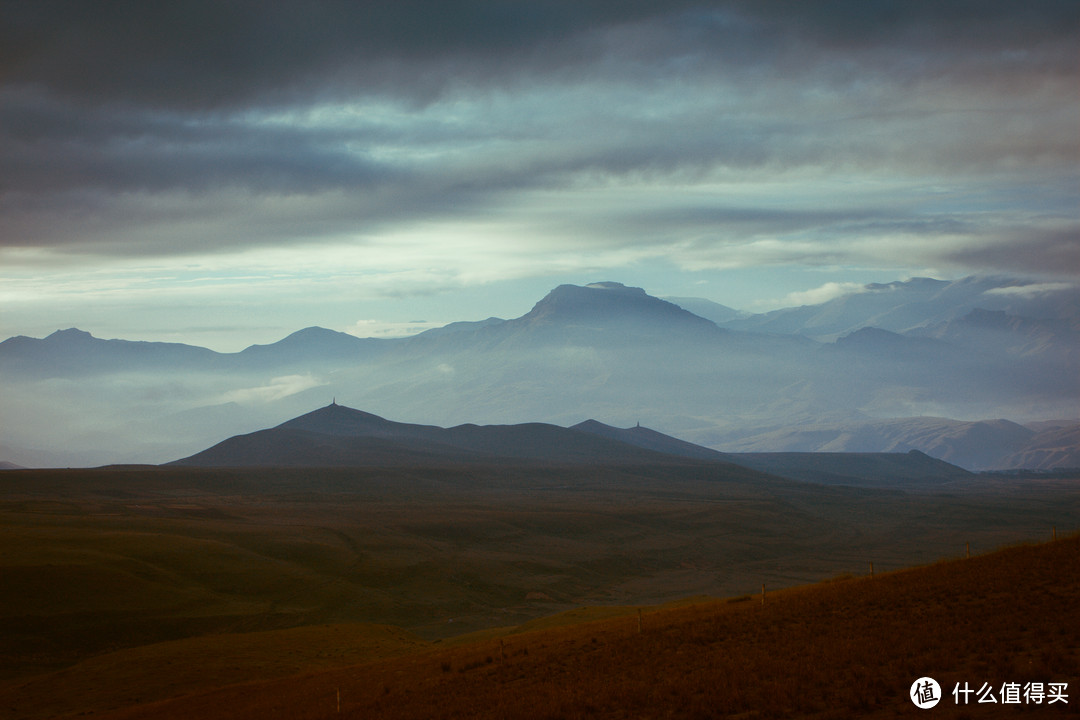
[604, 302]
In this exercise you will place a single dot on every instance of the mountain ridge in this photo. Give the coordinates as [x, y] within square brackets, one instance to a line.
[340, 436]
[651, 440]
[598, 350]
[337, 435]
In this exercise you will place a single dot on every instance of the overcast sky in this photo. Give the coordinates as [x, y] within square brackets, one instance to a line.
[222, 173]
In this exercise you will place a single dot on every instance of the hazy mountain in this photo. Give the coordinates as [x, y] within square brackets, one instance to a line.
[1048, 449]
[599, 350]
[978, 445]
[340, 436]
[463, 327]
[76, 352]
[605, 304]
[5, 465]
[313, 345]
[894, 306]
[602, 314]
[1052, 340]
[708, 309]
[916, 303]
[889, 346]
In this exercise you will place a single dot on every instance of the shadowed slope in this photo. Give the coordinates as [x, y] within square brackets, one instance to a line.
[908, 469]
[651, 440]
[340, 436]
[287, 447]
[841, 649]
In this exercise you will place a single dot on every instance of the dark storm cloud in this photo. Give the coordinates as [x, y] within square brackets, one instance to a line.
[206, 54]
[1042, 251]
[145, 127]
[49, 146]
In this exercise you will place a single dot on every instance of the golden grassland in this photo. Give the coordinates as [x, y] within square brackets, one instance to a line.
[848, 648]
[436, 592]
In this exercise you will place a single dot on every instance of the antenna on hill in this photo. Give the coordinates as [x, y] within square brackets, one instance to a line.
[334, 401]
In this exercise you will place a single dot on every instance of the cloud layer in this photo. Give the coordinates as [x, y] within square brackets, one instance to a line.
[544, 135]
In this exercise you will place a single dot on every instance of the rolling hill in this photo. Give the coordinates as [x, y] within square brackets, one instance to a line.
[339, 436]
[651, 440]
[336, 435]
[908, 470]
[848, 648]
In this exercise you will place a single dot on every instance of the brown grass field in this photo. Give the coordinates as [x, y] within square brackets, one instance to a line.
[502, 592]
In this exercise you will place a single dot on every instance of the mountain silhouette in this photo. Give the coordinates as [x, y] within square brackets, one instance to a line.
[342, 421]
[336, 435]
[77, 352]
[972, 348]
[311, 345]
[651, 440]
[909, 469]
[609, 303]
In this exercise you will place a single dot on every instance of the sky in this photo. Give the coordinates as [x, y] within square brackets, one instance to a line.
[223, 173]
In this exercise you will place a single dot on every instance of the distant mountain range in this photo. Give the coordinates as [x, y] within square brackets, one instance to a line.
[981, 445]
[821, 377]
[914, 305]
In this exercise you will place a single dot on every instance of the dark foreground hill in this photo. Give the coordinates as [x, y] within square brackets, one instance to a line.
[339, 436]
[336, 435]
[909, 470]
[651, 440]
[850, 648]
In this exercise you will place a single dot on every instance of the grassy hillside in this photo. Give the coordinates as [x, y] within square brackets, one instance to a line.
[130, 585]
[846, 648]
